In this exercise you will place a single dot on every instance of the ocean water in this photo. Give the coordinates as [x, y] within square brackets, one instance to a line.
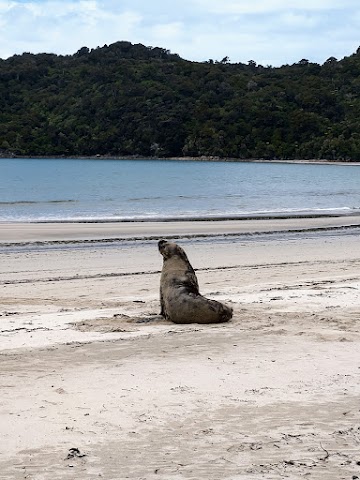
[119, 190]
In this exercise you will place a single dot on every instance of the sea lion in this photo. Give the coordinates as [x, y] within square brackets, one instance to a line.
[180, 298]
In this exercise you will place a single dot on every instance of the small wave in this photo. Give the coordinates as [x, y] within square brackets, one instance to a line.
[168, 197]
[301, 211]
[142, 199]
[175, 216]
[36, 202]
[184, 197]
[161, 219]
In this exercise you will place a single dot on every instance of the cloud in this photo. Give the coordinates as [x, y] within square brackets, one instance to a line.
[168, 30]
[226, 7]
[268, 31]
[61, 27]
[299, 20]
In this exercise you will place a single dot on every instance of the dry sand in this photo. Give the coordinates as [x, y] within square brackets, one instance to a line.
[94, 384]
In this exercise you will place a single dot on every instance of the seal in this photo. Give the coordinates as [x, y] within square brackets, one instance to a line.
[180, 299]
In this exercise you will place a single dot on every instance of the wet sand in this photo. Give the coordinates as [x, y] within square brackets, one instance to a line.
[95, 384]
[75, 231]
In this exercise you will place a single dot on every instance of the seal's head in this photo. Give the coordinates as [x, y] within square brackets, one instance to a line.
[168, 250]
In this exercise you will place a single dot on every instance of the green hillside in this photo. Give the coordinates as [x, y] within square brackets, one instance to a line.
[126, 99]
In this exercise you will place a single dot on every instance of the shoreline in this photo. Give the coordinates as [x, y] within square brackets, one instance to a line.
[200, 218]
[185, 159]
[96, 384]
[79, 232]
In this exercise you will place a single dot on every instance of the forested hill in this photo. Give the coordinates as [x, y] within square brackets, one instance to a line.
[126, 99]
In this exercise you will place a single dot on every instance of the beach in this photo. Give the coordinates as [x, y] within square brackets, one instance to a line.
[95, 384]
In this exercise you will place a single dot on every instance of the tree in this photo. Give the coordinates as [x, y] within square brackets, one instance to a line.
[126, 99]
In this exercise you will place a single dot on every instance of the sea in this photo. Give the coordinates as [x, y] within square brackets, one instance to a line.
[104, 190]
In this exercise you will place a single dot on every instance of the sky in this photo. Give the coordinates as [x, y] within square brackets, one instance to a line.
[269, 32]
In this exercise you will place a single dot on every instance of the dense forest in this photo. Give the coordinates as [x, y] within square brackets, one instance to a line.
[133, 100]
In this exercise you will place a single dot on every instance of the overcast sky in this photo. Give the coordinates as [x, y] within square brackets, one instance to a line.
[270, 32]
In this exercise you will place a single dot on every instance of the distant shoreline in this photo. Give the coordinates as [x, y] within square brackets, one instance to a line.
[180, 159]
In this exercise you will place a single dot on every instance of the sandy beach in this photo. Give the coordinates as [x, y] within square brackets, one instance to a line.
[95, 384]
